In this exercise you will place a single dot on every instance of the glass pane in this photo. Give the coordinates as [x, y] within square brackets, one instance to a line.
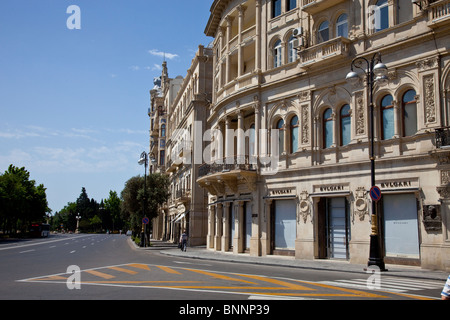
[346, 130]
[410, 119]
[276, 8]
[342, 26]
[382, 15]
[323, 32]
[388, 123]
[294, 134]
[328, 129]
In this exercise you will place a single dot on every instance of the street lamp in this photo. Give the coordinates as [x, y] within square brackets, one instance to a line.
[78, 217]
[144, 161]
[376, 73]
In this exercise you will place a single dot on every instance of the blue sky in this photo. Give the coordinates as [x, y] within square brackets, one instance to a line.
[73, 103]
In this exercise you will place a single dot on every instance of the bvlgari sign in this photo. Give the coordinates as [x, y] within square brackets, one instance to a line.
[331, 188]
[282, 192]
[399, 184]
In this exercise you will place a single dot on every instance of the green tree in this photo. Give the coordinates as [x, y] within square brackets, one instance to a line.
[135, 197]
[112, 206]
[21, 201]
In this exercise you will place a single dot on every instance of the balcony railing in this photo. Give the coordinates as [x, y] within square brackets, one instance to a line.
[236, 164]
[314, 6]
[439, 11]
[337, 47]
[443, 137]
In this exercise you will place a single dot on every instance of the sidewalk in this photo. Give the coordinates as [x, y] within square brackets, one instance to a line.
[201, 252]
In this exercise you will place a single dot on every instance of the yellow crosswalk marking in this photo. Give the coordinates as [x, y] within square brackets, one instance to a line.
[123, 270]
[219, 276]
[139, 266]
[289, 285]
[100, 274]
[168, 270]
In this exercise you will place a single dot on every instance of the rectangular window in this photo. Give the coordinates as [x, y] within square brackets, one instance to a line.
[276, 8]
[162, 156]
[291, 4]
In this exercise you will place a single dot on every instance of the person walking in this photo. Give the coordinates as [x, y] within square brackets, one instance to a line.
[446, 291]
[183, 241]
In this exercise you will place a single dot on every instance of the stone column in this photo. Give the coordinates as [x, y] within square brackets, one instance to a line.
[218, 233]
[226, 227]
[211, 227]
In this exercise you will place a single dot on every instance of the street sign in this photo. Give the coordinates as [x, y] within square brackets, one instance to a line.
[145, 220]
[375, 194]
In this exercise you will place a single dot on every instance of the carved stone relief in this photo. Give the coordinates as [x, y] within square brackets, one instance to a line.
[430, 103]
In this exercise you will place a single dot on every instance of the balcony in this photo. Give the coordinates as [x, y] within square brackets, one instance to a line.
[218, 177]
[183, 196]
[325, 52]
[315, 6]
[439, 13]
[443, 137]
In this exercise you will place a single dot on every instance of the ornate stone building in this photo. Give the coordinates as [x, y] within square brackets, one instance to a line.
[186, 113]
[288, 169]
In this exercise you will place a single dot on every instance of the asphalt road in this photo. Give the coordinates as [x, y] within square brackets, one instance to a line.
[110, 268]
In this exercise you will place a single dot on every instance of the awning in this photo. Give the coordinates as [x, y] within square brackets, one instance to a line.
[181, 216]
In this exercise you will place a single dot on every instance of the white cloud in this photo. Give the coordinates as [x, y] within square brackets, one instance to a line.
[157, 53]
[135, 68]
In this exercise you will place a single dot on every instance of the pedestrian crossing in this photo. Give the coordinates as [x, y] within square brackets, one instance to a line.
[388, 284]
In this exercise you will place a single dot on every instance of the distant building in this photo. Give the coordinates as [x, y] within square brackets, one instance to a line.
[185, 119]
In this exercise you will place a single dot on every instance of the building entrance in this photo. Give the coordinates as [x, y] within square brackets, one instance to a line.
[333, 228]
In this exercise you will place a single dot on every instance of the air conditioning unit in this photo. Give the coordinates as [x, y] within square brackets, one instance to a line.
[298, 32]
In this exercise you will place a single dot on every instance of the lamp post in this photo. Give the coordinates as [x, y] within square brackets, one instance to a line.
[376, 73]
[144, 161]
[78, 217]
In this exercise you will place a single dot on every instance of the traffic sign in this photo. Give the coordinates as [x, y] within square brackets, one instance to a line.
[145, 220]
[375, 194]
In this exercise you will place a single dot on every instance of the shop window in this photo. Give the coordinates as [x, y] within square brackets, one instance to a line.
[327, 128]
[387, 117]
[294, 134]
[409, 110]
[345, 125]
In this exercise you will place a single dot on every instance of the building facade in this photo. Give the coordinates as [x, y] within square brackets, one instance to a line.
[288, 170]
[186, 116]
[161, 96]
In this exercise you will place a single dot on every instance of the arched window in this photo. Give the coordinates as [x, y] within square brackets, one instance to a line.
[277, 54]
[346, 128]
[409, 110]
[294, 134]
[323, 33]
[327, 128]
[342, 26]
[163, 130]
[387, 117]
[280, 127]
[292, 51]
[381, 17]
